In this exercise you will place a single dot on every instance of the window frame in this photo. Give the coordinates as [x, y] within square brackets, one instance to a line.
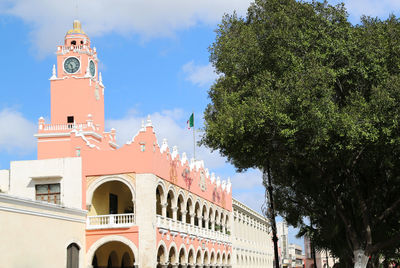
[49, 193]
[70, 261]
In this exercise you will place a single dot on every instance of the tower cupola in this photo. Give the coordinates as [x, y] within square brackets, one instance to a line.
[76, 36]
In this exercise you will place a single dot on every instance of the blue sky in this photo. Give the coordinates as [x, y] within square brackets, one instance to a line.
[154, 61]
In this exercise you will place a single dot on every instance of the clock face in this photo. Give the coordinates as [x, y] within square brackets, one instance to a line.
[92, 68]
[71, 65]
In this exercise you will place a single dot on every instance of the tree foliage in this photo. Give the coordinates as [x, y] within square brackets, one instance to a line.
[318, 98]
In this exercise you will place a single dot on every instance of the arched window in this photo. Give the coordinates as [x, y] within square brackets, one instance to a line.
[73, 256]
[94, 262]
[73, 43]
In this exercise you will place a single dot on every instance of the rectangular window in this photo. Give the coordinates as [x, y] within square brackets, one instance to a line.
[48, 193]
[70, 121]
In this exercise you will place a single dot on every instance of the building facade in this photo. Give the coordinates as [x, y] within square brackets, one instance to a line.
[283, 243]
[36, 233]
[251, 239]
[296, 256]
[147, 205]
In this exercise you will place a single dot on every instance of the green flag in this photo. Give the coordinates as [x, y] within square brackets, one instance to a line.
[190, 122]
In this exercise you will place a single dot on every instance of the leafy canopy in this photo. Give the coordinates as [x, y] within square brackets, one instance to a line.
[318, 98]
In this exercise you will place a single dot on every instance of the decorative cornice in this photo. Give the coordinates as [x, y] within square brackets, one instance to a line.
[38, 205]
[52, 135]
[238, 206]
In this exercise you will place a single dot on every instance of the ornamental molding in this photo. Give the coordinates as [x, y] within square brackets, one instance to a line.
[52, 135]
[40, 205]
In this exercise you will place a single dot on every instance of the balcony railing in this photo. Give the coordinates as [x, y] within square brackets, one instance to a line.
[182, 227]
[64, 126]
[110, 221]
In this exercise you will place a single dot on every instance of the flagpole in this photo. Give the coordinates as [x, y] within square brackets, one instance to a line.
[194, 140]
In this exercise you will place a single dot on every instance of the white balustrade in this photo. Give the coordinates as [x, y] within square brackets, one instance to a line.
[182, 227]
[110, 221]
[65, 126]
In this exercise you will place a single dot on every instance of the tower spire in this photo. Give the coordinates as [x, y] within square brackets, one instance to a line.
[76, 10]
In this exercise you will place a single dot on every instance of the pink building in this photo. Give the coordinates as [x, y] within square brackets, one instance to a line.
[147, 206]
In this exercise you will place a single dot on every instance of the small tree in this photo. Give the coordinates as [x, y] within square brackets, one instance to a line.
[318, 98]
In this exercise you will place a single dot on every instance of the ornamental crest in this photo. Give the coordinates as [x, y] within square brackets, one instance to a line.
[202, 182]
[215, 195]
[173, 174]
[186, 177]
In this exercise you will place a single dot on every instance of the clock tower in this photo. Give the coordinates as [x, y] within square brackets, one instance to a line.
[77, 101]
[76, 89]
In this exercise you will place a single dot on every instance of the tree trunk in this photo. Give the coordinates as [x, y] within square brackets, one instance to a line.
[360, 259]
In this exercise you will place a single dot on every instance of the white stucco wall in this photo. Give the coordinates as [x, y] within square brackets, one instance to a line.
[251, 239]
[146, 219]
[24, 175]
[4, 175]
[35, 234]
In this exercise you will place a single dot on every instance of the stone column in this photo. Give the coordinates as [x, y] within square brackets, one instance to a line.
[212, 225]
[175, 213]
[206, 223]
[164, 209]
[200, 221]
[184, 215]
[192, 218]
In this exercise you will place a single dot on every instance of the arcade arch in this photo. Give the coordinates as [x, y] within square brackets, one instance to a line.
[112, 250]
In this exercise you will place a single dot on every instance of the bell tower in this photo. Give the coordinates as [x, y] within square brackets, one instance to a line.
[77, 101]
[76, 87]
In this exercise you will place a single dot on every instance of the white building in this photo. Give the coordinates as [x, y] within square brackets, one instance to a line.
[296, 256]
[41, 220]
[283, 243]
[252, 240]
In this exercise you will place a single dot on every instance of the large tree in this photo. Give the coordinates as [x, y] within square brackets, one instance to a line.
[317, 99]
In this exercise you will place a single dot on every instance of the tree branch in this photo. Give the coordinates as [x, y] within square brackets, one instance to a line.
[363, 205]
[340, 209]
[389, 210]
[384, 244]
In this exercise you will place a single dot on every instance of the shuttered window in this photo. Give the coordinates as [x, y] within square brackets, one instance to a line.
[48, 192]
[73, 256]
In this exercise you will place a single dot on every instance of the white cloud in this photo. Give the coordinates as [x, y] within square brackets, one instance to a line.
[167, 124]
[49, 19]
[16, 133]
[200, 75]
[247, 188]
[247, 180]
[252, 199]
[373, 8]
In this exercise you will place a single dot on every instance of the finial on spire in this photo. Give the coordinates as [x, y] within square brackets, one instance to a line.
[148, 122]
[100, 80]
[77, 25]
[184, 158]
[54, 76]
[174, 152]
[76, 28]
[164, 145]
[76, 10]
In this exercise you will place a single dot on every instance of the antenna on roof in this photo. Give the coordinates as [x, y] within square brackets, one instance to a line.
[76, 9]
